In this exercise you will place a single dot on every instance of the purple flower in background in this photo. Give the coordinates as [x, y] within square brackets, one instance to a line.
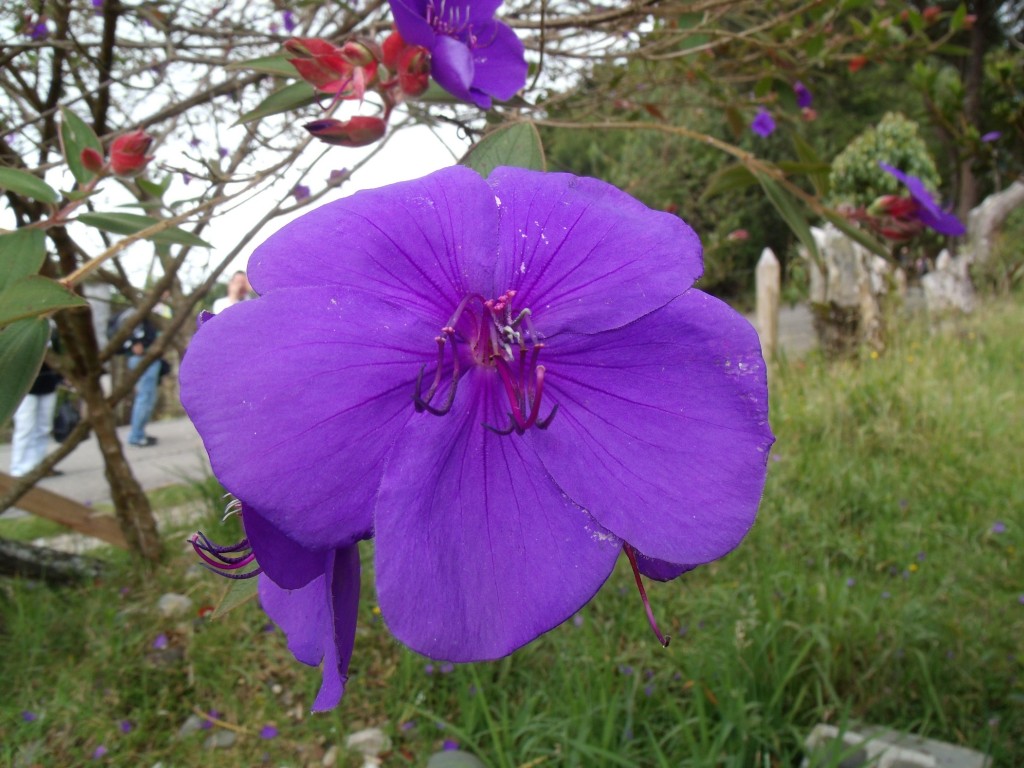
[927, 211]
[763, 124]
[268, 732]
[501, 381]
[449, 745]
[160, 642]
[998, 527]
[99, 753]
[126, 726]
[300, 192]
[472, 56]
[288, 20]
[207, 724]
[991, 136]
[39, 31]
[29, 716]
[803, 95]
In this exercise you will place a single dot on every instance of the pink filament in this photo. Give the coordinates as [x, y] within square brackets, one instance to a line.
[631, 554]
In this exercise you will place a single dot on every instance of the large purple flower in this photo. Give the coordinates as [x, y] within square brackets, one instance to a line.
[927, 211]
[507, 382]
[473, 57]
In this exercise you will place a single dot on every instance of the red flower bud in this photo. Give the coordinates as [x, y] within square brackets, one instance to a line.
[893, 205]
[331, 69]
[969, 21]
[128, 153]
[931, 13]
[857, 63]
[356, 132]
[391, 48]
[91, 160]
[414, 70]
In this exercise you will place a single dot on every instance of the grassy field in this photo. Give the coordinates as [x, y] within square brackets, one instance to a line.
[883, 583]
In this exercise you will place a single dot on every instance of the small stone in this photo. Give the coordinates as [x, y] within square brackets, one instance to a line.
[173, 605]
[330, 758]
[220, 740]
[192, 725]
[369, 742]
[276, 688]
[454, 758]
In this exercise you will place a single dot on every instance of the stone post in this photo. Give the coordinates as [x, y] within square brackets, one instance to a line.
[768, 279]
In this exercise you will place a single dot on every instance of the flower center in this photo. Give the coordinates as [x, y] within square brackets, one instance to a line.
[450, 22]
[491, 333]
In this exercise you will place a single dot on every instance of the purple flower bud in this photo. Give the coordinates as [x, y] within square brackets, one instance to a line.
[359, 131]
[268, 732]
[803, 95]
[126, 726]
[300, 192]
[288, 19]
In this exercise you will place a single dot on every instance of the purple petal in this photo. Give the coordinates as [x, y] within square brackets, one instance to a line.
[929, 213]
[499, 68]
[410, 20]
[662, 431]
[992, 136]
[451, 65]
[477, 551]
[287, 564]
[423, 242]
[763, 124]
[319, 620]
[268, 732]
[659, 570]
[585, 256]
[321, 383]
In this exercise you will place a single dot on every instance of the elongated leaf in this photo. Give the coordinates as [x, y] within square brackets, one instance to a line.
[21, 254]
[856, 233]
[130, 223]
[728, 179]
[791, 214]
[239, 592]
[22, 346]
[76, 135]
[806, 153]
[277, 64]
[33, 296]
[291, 96]
[518, 145]
[25, 183]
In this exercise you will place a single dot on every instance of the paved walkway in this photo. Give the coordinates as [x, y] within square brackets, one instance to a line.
[179, 456]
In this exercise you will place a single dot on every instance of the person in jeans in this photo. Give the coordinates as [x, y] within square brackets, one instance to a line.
[33, 421]
[142, 337]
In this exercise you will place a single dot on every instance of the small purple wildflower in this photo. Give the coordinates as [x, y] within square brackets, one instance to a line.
[268, 732]
[288, 20]
[160, 642]
[803, 95]
[449, 745]
[300, 192]
[928, 211]
[625, 670]
[223, 152]
[195, 142]
[472, 56]
[998, 527]
[97, 3]
[648, 690]
[763, 124]
[39, 31]
[126, 726]
[851, 581]
[29, 716]
[186, 177]
[992, 136]
[408, 725]
[447, 668]
[1021, 599]
[99, 753]
[428, 669]
[921, 556]
[208, 724]
[577, 620]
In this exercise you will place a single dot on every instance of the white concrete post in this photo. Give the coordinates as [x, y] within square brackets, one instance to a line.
[768, 280]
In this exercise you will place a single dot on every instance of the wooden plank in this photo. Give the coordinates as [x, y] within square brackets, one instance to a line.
[67, 512]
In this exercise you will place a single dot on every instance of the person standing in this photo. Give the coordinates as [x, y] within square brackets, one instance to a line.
[33, 421]
[238, 290]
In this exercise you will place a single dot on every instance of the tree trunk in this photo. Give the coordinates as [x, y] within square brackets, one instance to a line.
[26, 560]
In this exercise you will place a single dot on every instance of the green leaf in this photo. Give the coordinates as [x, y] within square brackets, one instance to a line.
[76, 135]
[854, 232]
[518, 145]
[291, 96]
[22, 346]
[807, 154]
[130, 223]
[239, 592]
[27, 184]
[22, 253]
[33, 296]
[791, 214]
[956, 23]
[277, 64]
[729, 179]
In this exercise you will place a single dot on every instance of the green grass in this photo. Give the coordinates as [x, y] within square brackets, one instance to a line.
[873, 588]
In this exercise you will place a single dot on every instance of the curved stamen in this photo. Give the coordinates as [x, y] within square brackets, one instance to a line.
[220, 558]
[631, 554]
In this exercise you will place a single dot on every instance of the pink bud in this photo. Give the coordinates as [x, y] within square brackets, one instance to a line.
[91, 160]
[128, 153]
[357, 132]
